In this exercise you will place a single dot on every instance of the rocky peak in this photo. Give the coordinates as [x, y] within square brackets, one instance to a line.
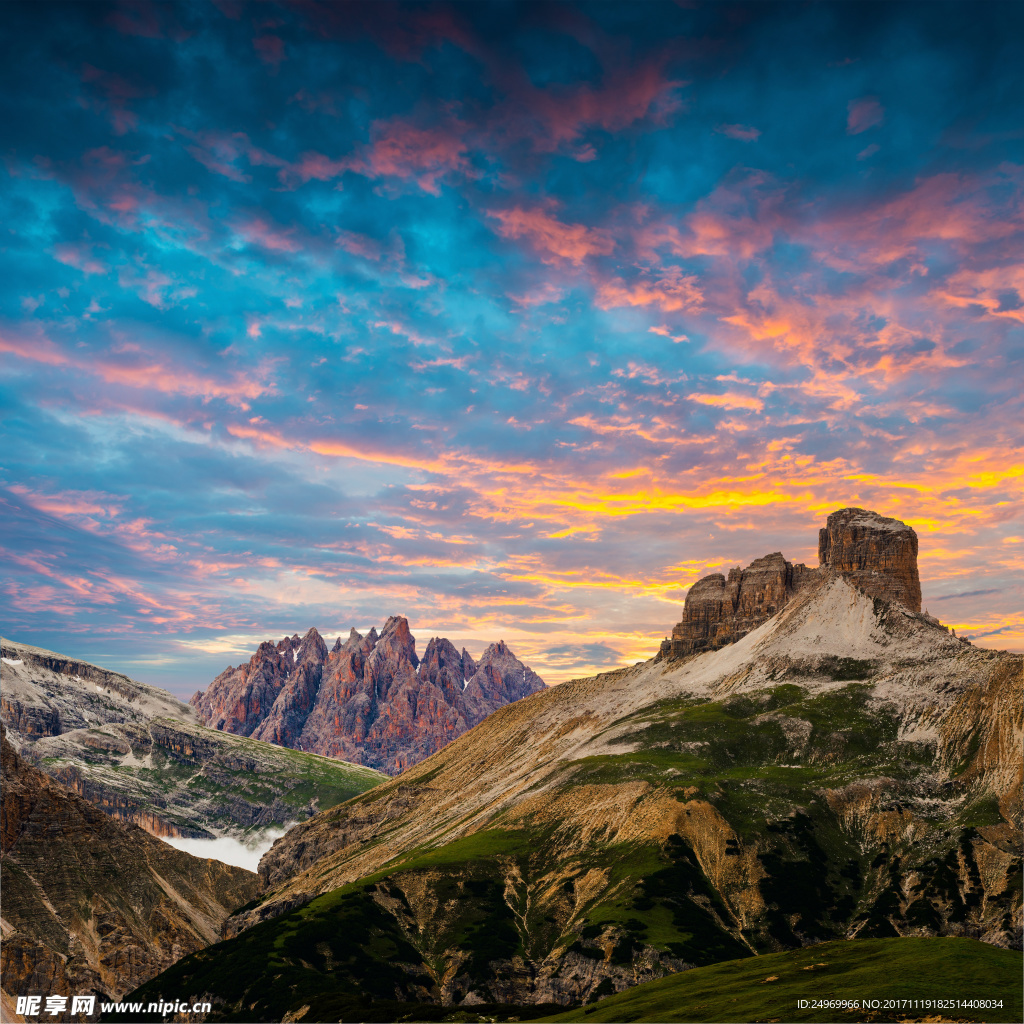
[311, 648]
[370, 699]
[718, 611]
[876, 554]
[442, 666]
[500, 678]
[393, 658]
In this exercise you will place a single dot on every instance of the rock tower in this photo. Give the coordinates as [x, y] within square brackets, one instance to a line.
[876, 554]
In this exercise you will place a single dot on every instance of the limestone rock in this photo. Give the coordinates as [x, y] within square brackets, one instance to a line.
[719, 611]
[876, 554]
[500, 678]
[297, 695]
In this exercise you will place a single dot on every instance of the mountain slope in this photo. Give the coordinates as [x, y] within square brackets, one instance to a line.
[951, 979]
[370, 700]
[846, 769]
[95, 904]
[139, 754]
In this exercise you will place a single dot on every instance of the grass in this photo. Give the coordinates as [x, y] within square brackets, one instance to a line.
[867, 969]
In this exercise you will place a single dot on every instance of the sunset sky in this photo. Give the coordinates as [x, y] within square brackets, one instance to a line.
[514, 319]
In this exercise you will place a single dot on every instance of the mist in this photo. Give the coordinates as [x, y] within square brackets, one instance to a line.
[229, 850]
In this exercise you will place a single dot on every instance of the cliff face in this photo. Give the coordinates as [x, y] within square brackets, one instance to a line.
[370, 700]
[875, 554]
[718, 611]
[95, 904]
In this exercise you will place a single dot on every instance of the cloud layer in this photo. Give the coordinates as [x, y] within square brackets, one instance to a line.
[514, 320]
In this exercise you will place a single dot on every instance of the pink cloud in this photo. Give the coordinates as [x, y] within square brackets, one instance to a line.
[670, 290]
[741, 132]
[666, 333]
[71, 503]
[397, 149]
[220, 151]
[80, 256]
[117, 92]
[237, 389]
[134, 371]
[401, 150]
[147, 20]
[258, 231]
[370, 248]
[736, 221]
[729, 400]
[270, 49]
[313, 165]
[863, 114]
[36, 349]
[553, 239]
[153, 286]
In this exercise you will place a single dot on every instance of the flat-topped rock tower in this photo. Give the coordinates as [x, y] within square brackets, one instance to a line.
[876, 554]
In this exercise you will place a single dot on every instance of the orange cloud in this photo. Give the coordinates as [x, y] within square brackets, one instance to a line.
[670, 291]
[553, 239]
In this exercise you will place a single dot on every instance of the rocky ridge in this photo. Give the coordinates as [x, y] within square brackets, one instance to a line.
[369, 700]
[876, 554]
[93, 904]
[141, 755]
[847, 768]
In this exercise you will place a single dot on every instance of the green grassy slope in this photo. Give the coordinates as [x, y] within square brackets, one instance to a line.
[198, 780]
[770, 988]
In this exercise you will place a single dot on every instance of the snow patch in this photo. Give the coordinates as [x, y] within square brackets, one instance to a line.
[229, 850]
[12, 661]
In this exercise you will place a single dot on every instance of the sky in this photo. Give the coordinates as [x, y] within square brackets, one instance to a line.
[513, 319]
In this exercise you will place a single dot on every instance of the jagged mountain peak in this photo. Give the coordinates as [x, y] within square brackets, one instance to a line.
[370, 699]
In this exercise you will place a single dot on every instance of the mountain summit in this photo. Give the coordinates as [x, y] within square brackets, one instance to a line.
[369, 700]
[875, 554]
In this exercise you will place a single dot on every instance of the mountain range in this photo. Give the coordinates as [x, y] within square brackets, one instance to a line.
[142, 755]
[369, 700]
[817, 760]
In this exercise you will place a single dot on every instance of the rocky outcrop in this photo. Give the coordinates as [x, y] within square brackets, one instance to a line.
[718, 611]
[369, 700]
[95, 904]
[875, 554]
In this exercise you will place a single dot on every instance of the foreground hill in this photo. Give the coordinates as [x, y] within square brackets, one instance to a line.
[370, 700]
[845, 769]
[93, 904]
[138, 753]
[878, 979]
